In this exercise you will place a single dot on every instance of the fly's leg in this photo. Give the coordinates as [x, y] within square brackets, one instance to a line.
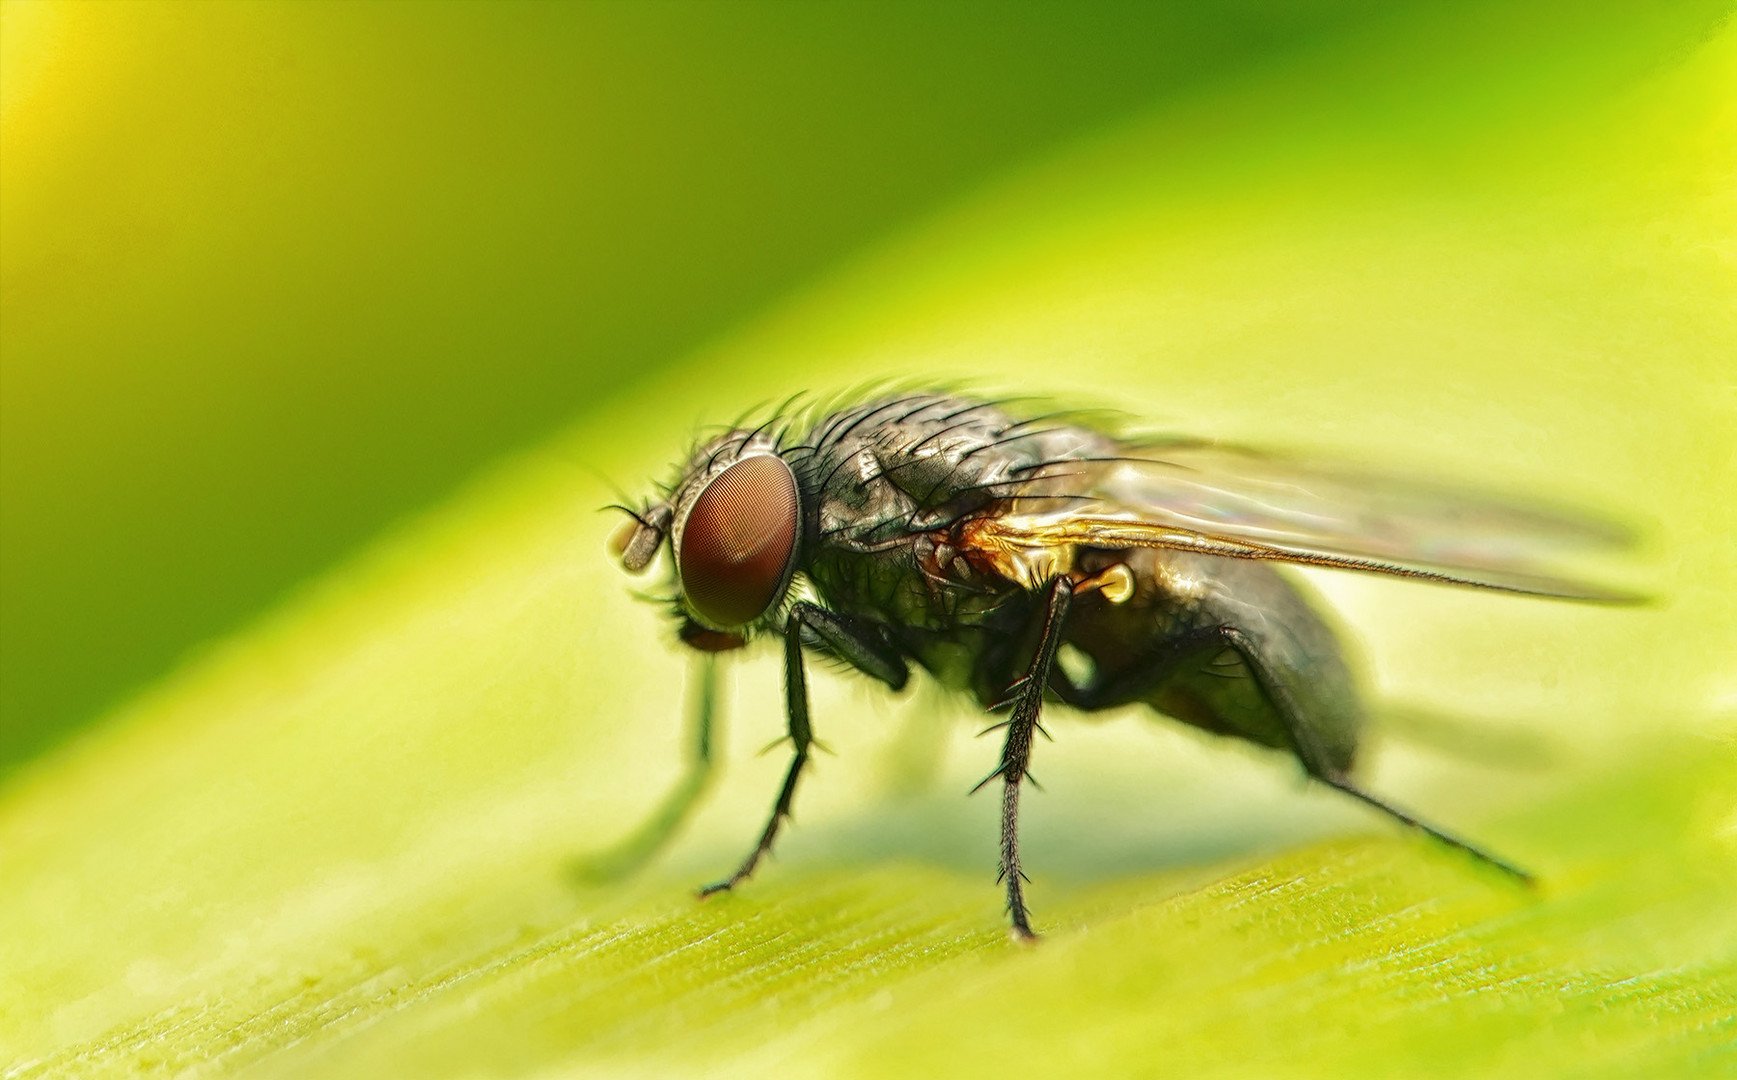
[844, 638]
[855, 642]
[801, 738]
[1344, 784]
[1155, 669]
[1027, 698]
[1279, 686]
[1305, 699]
[631, 853]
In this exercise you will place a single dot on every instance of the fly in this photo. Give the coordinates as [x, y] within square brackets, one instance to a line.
[947, 533]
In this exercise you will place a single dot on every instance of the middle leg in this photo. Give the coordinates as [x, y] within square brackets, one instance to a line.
[1287, 683]
[1309, 735]
[1027, 698]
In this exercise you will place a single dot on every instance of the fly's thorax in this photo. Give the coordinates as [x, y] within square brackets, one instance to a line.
[1028, 565]
[920, 463]
[897, 466]
[883, 585]
[955, 633]
[905, 586]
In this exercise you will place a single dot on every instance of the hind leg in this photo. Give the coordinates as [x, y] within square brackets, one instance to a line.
[1282, 689]
[1344, 784]
[1286, 684]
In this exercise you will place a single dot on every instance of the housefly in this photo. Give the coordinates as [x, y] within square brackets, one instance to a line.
[951, 534]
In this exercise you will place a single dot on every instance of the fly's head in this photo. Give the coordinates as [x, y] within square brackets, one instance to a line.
[734, 525]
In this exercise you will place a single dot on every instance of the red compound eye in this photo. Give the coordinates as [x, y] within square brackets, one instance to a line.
[738, 540]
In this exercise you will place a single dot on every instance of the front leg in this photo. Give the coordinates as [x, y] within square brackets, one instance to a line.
[845, 638]
[1027, 695]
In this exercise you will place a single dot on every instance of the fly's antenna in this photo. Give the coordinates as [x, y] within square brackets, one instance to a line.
[637, 545]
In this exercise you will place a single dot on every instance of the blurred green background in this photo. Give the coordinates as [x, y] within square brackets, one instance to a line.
[273, 275]
[1492, 241]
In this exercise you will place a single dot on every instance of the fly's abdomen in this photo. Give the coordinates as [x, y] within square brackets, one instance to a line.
[1227, 645]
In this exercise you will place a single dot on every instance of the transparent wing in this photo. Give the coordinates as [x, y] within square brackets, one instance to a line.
[1241, 504]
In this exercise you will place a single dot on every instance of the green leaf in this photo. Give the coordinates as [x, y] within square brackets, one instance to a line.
[1492, 243]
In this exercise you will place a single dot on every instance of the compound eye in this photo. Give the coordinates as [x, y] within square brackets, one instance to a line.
[738, 541]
